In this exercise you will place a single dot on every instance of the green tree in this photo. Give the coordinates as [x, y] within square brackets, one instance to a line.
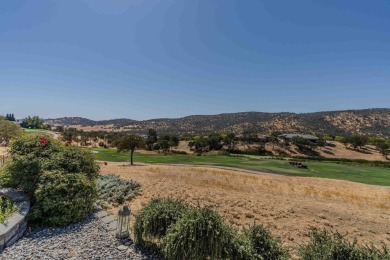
[175, 140]
[10, 117]
[274, 138]
[357, 141]
[8, 130]
[230, 140]
[200, 146]
[151, 139]
[32, 122]
[164, 145]
[130, 143]
[384, 148]
[375, 140]
[214, 142]
[301, 142]
[168, 141]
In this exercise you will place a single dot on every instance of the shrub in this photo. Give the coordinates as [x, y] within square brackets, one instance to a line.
[61, 199]
[113, 189]
[153, 221]
[156, 146]
[36, 160]
[264, 245]
[199, 234]
[324, 245]
[32, 155]
[103, 144]
[8, 130]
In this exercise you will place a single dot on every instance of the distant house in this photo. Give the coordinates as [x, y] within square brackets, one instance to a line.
[282, 138]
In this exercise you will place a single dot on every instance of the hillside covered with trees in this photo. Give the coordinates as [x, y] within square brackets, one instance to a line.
[371, 122]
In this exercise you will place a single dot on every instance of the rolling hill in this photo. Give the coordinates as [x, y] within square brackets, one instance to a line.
[365, 122]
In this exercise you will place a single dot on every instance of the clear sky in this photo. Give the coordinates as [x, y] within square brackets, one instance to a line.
[145, 59]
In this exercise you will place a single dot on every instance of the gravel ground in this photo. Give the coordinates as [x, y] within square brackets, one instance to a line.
[85, 240]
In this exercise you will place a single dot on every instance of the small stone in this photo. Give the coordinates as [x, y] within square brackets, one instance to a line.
[112, 225]
[122, 248]
[107, 219]
[101, 214]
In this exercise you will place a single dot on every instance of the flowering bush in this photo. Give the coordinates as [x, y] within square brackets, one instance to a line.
[38, 162]
[43, 141]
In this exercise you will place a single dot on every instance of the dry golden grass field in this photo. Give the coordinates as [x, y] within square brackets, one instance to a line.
[288, 206]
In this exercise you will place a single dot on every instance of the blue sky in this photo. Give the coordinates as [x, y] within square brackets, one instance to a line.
[145, 59]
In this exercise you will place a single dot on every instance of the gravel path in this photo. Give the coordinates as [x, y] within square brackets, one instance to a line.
[85, 240]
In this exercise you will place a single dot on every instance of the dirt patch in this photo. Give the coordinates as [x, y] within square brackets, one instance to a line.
[288, 206]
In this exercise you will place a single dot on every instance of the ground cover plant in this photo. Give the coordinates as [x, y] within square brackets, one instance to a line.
[332, 170]
[60, 180]
[112, 189]
[7, 208]
[324, 245]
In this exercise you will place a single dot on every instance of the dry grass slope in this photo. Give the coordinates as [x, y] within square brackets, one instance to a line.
[289, 206]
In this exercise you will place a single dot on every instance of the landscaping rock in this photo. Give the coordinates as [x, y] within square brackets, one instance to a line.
[101, 214]
[85, 240]
[122, 248]
[108, 219]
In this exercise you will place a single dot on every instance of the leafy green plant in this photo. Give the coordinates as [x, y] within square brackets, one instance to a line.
[264, 245]
[199, 234]
[62, 199]
[60, 180]
[153, 221]
[7, 208]
[113, 189]
[328, 246]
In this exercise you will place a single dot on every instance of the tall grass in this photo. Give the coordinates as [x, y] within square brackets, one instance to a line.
[113, 189]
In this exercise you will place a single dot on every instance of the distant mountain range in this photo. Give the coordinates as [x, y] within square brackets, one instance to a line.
[367, 122]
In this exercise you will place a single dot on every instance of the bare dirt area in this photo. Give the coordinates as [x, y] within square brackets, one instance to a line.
[340, 151]
[288, 206]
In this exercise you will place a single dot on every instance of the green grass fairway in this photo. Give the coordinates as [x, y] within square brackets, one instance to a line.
[362, 174]
[36, 131]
